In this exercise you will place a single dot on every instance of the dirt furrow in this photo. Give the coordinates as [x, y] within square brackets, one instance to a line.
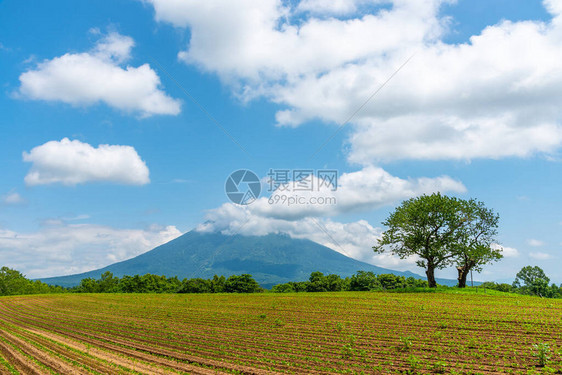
[297, 359]
[151, 353]
[20, 362]
[56, 364]
[85, 358]
[120, 360]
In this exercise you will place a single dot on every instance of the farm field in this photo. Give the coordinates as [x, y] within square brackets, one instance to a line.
[324, 333]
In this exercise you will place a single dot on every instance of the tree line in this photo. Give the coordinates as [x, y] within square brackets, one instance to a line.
[13, 282]
[529, 281]
[360, 281]
[245, 283]
[149, 283]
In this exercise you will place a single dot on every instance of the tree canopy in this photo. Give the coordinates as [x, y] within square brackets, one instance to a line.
[532, 280]
[442, 231]
[477, 236]
[13, 282]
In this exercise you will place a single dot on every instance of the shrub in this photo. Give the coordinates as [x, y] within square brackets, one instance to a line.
[542, 353]
[241, 284]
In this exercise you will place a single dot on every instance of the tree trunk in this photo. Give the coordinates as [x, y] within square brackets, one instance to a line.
[463, 272]
[430, 272]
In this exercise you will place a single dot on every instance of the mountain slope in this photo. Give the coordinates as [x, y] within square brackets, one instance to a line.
[271, 259]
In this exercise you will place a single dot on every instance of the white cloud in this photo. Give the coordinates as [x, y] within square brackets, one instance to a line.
[253, 39]
[535, 243]
[495, 96]
[13, 198]
[77, 217]
[508, 252]
[336, 7]
[73, 162]
[363, 190]
[554, 7]
[540, 255]
[61, 249]
[99, 76]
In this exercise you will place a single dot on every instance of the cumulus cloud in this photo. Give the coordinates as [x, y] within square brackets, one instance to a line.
[508, 252]
[252, 39]
[61, 248]
[73, 162]
[99, 75]
[360, 191]
[329, 7]
[540, 255]
[535, 243]
[495, 96]
[13, 198]
[363, 190]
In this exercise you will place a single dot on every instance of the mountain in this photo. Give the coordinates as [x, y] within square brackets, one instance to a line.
[271, 259]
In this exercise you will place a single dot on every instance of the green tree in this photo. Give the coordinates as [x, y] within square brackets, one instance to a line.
[554, 291]
[218, 284]
[416, 283]
[283, 288]
[108, 283]
[125, 285]
[299, 286]
[441, 231]
[241, 284]
[317, 282]
[197, 285]
[391, 281]
[12, 282]
[426, 227]
[334, 283]
[477, 236]
[88, 285]
[364, 280]
[532, 280]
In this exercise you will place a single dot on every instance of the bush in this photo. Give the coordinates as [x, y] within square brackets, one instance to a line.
[241, 284]
[363, 281]
[197, 285]
[495, 286]
[283, 288]
[390, 281]
[542, 353]
[317, 283]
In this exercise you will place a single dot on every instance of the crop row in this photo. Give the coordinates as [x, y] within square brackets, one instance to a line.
[358, 332]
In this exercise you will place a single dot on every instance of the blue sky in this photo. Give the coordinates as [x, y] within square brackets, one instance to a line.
[474, 113]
